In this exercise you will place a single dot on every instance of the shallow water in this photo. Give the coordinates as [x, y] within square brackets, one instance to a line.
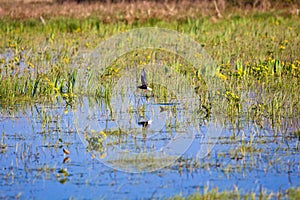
[181, 152]
[33, 164]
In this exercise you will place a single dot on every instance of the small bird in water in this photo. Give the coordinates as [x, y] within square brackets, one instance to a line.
[145, 123]
[144, 85]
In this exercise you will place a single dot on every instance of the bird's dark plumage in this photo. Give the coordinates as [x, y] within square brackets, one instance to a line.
[145, 123]
[144, 85]
[143, 78]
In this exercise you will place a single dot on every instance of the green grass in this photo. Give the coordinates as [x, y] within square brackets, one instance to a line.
[293, 193]
[257, 54]
[257, 81]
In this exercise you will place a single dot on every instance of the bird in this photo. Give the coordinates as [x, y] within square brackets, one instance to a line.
[144, 85]
[144, 123]
[143, 120]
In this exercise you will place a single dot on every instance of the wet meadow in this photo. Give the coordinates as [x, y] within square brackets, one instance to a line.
[63, 117]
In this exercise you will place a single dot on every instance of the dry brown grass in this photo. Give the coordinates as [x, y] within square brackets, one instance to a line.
[107, 12]
[129, 11]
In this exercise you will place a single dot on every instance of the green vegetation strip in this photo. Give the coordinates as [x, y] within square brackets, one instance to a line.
[293, 193]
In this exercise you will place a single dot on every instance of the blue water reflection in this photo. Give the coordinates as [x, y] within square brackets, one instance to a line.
[32, 163]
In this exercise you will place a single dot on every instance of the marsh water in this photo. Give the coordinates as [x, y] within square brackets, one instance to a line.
[91, 148]
[35, 164]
